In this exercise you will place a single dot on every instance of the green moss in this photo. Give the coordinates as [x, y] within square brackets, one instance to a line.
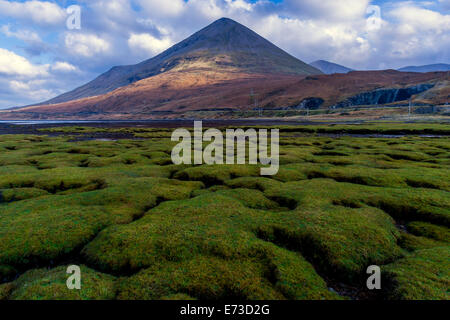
[124, 208]
[429, 230]
[203, 278]
[46, 228]
[43, 284]
[283, 276]
[411, 242]
[422, 275]
[250, 198]
[217, 174]
[175, 231]
[253, 183]
[341, 236]
[10, 195]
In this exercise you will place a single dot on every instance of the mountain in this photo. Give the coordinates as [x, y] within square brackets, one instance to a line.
[224, 44]
[329, 67]
[224, 67]
[427, 68]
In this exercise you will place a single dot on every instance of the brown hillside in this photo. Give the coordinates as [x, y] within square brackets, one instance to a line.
[172, 93]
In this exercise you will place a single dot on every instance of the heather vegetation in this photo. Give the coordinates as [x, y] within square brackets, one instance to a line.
[143, 228]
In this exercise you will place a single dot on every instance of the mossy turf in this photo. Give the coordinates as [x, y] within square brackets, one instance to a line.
[144, 228]
[43, 284]
[422, 275]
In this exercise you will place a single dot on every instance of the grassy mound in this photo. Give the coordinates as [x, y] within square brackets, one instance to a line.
[425, 274]
[43, 284]
[337, 205]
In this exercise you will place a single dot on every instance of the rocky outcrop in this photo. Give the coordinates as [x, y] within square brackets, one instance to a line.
[383, 96]
[310, 103]
[428, 110]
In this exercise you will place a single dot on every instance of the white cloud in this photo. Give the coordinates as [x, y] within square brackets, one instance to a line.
[163, 8]
[211, 9]
[343, 10]
[148, 23]
[239, 5]
[24, 35]
[64, 67]
[148, 43]
[13, 64]
[40, 12]
[412, 19]
[414, 35]
[86, 45]
[33, 89]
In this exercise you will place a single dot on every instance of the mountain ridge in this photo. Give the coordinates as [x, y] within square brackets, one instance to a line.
[328, 67]
[224, 41]
[426, 68]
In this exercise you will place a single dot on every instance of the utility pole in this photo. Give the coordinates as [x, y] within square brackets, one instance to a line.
[409, 107]
[255, 101]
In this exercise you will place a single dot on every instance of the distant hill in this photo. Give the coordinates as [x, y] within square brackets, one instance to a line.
[330, 67]
[427, 68]
[224, 45]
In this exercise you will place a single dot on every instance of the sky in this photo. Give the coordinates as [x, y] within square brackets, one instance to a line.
[42, 56]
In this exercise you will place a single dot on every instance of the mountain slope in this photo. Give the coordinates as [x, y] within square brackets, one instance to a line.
[427, 68]
[329, 67]
[223, 44]
[176, 93]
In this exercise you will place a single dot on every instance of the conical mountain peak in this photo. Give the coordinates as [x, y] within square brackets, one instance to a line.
[224, 44]
[224, 35]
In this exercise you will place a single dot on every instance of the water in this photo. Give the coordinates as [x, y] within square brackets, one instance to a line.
[160, 122]
[31, 122]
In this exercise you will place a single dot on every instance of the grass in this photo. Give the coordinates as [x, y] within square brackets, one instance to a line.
[41, 284]
[422, 275]
[143, 228]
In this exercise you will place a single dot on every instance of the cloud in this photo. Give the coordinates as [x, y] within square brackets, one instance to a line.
[13, 64]
[163, 8]
[32, 89]
[39, 12]
[333, 42]
[34, 45]
[23, 82]
[63, 67]
[148, 43]
[412, 19]
[24, 35]
[414, 35]
[86, 45]
[239, 5]
[342, 10]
